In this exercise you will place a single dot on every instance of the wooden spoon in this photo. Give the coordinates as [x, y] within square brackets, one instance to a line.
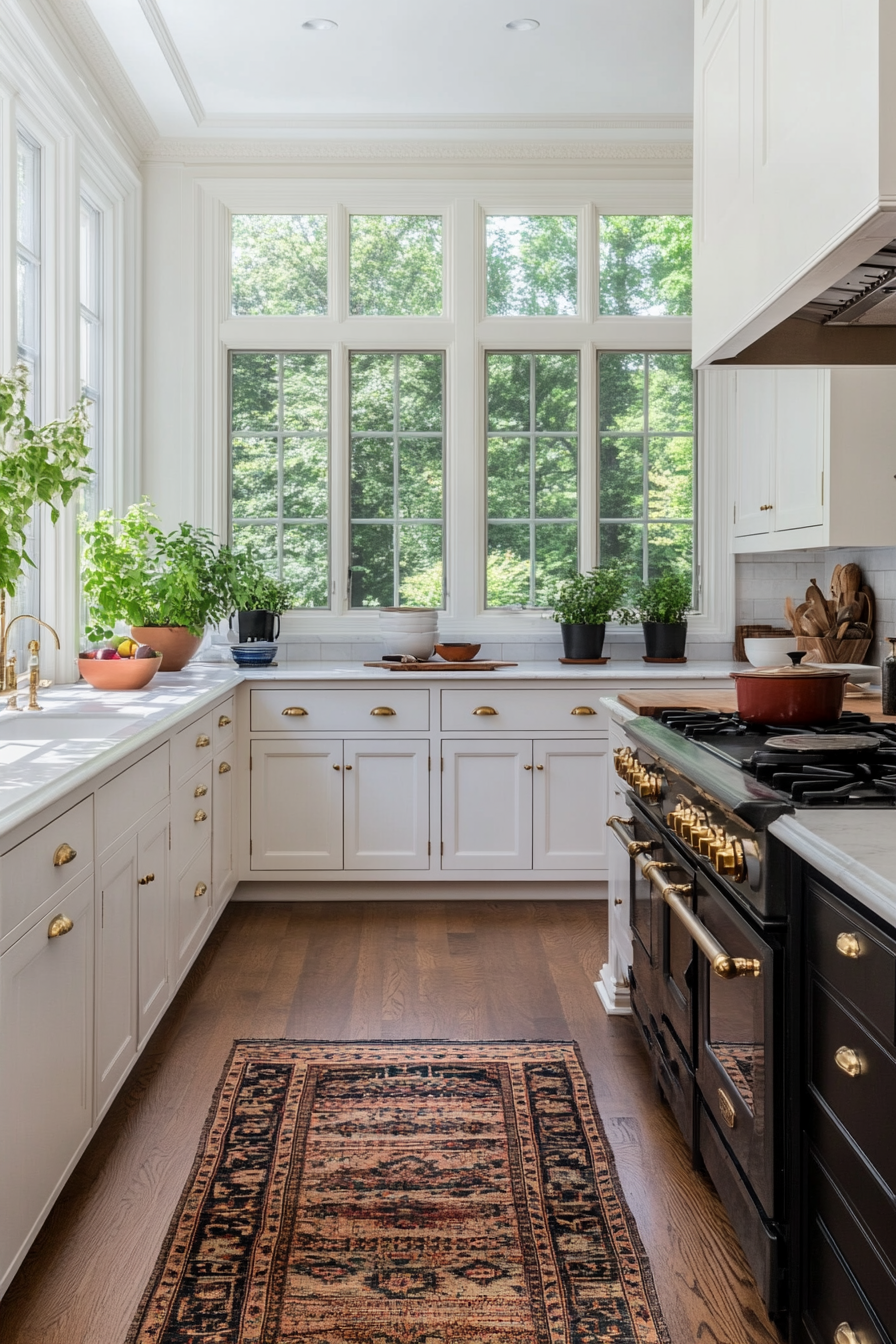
[792, 618]
[818, 609]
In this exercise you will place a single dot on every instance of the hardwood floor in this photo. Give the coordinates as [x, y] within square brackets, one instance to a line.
[364, 971]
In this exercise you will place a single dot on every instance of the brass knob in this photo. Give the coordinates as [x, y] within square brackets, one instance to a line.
[337, 767]
[539, 767]
[617, 900]
[650, 785]
[203, 740]
[711, 841]
[224, 721]
[849, 1061]
[583, 709]
[729, 860]
[844, 1334]
[765, 508]
[527, 767]
[201, 889]
[382, 712]
[145, 881]
[200, 791]
[64, 854]
[201, 816]
[59, 926]
[294, 712]
[223, 768]
[485, 709]
[348, 767]
[848, 945]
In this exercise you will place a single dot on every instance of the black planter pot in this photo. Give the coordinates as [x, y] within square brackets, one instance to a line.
[664, 641]
[257, 625]
[583, 641]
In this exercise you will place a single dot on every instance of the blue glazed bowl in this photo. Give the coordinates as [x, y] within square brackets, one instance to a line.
[260, 654]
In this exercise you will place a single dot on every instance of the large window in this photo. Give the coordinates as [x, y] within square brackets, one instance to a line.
[532, 265]
[278, 265]
[396, 265]
[91, 330]
[28, 263]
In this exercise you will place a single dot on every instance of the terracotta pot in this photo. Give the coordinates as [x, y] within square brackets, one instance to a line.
[788, 696]
[174, 642]
[122, 674]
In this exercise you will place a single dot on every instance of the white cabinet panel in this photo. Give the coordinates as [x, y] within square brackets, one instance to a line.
[222, 827]
[296, 804]
[116, 998]
[191, 914]
[570, 805]
[131, 795]
[45, 864]
[46, 1067]
[754, 443]
[551, 708]
[191, 812]
[487, 804]
[153, 980]
[387, 707]
[386, 804]
[800, 405]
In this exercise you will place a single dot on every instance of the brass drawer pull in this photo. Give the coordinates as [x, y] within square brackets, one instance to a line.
[485, 709]
[382, 712]
[765, 508]
[145, 881]
[849, 1061]
[59, 926]
[64, 854]
[224, 721]
[203, 740]
[294, 712]
[200, 791]
[201, 816]
[726, 1109]
[844, 1334]
[848, 945]
[201, 889]
[583, 709]
[223, 768]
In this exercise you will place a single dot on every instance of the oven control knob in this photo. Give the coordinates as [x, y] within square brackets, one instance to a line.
[729, 861]
[621, 758]
[651, 784]
[693, 825]
[711, 841]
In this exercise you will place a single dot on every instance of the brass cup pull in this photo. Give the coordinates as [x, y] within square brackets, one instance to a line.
[848, 945]
[201, 816]
[294, 712]
[59, 926]
[484, 709]
[64, 854]
[849, 1061]
[203, 740]
[224, 721]
[145, 881]
[583, 709]
[382, 712]
[201, 889]
[223, 768]
[200, 791]
[844, 1334]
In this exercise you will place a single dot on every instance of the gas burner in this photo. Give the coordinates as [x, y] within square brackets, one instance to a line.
[695, 723]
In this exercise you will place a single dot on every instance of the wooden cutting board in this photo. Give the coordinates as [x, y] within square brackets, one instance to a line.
[653, 703]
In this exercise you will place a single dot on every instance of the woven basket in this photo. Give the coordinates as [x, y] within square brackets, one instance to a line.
[834, 650]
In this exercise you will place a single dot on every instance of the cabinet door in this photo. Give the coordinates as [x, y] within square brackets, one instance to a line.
[487, 804]
[153, 980]
[296, 807]
[386, 804]
[192, 907]
[46, 1067]
[569, 808]
[753, 447]
[800, 434]
[222, 827]
[116, 964]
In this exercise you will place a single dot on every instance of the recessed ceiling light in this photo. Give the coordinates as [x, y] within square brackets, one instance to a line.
[319, 25]
[522, 25]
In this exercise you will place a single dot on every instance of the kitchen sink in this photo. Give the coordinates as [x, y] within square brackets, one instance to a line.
[48, 727]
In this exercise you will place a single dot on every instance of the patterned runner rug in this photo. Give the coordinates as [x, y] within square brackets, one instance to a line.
[421, 1192]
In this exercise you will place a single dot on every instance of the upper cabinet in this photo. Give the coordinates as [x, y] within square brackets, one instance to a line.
[814, 457]
[794, 157]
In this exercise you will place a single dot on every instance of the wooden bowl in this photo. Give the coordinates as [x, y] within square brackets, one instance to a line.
[122, 674]
[458, 653]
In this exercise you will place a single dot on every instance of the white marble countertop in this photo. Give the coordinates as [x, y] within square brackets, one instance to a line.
[857, 850]
[629, 673]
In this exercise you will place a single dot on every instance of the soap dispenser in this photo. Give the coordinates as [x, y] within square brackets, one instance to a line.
[888, 680]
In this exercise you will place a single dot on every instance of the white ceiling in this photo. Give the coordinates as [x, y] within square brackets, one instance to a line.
[247, 67]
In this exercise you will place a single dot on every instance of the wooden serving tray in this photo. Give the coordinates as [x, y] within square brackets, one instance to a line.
[473, 666]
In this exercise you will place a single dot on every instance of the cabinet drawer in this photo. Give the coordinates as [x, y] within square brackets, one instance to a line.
[223, 731]
[192, 746]
[854, 958]
[35, 870]
[346, 711]
[129, 796]
[863, 1102]
[516, 711]
[866, 1267]
[191, 812]
[833, 1298]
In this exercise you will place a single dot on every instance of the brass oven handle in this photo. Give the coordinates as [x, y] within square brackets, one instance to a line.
[583, 709]
[64, 854]
[617, 825]
[59, 926]
[294, 712]
[844, 1334]
[849, 1061]
[382, 712]
[723, 964]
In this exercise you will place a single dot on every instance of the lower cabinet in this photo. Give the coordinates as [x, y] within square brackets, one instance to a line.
[153, 943]
[333, 804]
[524, 804]
[223, 874]
[46, 1064]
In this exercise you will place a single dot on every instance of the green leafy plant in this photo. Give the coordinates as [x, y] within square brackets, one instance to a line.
[252, 589]
[37, 466]
[590, 599]
[666, 600]
[133, 571]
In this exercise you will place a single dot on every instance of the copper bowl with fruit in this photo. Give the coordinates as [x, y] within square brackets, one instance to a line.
[111, 670]
[458, 653]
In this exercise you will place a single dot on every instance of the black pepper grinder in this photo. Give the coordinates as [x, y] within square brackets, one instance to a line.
[888, 680]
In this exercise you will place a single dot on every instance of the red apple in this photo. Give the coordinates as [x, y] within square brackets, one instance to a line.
[108, 656]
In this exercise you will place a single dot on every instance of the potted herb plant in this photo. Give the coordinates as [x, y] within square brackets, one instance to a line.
[167, 585]
[258, 600]
[583, 606]
[662, 606]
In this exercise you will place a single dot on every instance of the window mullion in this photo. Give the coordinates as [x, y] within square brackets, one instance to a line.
[532, 480]
[645, 467]
[396, 534]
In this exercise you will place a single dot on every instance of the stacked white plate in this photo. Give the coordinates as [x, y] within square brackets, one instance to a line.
[411, 630]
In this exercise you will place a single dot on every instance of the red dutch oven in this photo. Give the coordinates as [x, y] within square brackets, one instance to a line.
[787, 696]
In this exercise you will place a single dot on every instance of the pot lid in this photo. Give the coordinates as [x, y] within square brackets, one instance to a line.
[795, 668]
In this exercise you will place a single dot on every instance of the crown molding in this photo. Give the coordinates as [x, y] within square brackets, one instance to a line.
[168, 47]
[404, 151]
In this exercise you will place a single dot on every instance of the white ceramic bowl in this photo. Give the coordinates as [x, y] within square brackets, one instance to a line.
[419, 646]
[412, 621]
[770, 652]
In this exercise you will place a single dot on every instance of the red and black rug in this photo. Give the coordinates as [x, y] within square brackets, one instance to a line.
[414, 1192]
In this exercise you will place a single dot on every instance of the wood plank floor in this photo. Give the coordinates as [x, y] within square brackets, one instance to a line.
[464, 971]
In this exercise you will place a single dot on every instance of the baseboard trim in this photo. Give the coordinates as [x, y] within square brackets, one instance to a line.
[420, 891]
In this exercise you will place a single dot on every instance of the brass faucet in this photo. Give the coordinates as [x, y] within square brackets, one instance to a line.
[8, 665]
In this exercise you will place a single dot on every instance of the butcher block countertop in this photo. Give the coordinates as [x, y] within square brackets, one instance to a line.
[652, 702]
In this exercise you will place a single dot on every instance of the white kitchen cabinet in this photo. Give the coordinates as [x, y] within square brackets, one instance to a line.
[46, 1067]
[386, 804]
[192, 908]
[487, 804]
[296, 804]
[223, 874]
[153, 953]
[116, 970]
[569, 804]
[612, 987]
